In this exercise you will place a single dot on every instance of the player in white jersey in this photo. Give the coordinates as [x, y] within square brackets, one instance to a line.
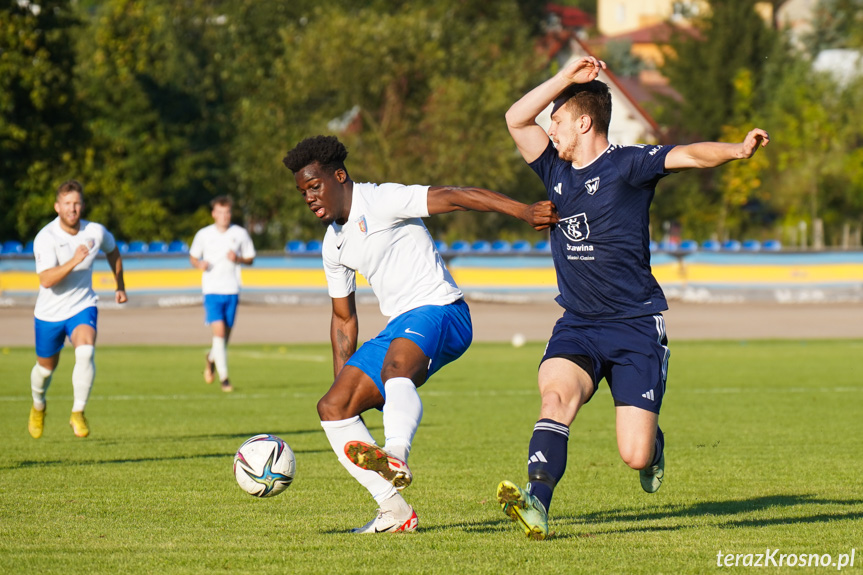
[66, 306]
[377, 231]
[218, 250]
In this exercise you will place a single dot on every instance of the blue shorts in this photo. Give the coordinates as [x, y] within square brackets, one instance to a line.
[631, 354]
[51, 335]
[221, 307]
[443, 332]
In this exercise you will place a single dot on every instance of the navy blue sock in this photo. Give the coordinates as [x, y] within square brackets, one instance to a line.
[547, 460]
[660, 446]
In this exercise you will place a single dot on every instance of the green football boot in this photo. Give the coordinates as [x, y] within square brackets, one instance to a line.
[651, 477]
[523, 508]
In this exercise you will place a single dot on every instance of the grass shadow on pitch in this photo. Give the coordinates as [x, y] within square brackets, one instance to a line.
[161, 459]
[723, 513]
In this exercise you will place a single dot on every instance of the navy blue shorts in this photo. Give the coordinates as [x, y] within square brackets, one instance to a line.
[221, 307]
[443, 332]
[631, 354]
[51, 335]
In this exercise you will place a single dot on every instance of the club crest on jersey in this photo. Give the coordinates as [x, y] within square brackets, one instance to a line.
[559, 189]
[91, 243]
[575, 227]
[362, 224]
[591, 185]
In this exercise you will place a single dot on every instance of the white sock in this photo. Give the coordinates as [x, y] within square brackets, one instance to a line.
[83, 375]
[403, 411]
[344, 430]
[219, 356]
[40, 379]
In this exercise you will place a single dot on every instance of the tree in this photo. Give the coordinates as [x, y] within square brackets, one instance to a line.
[836, 24]
[39, 117]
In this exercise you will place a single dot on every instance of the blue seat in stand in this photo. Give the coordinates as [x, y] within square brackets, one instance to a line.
[138, 247]
[295, 246]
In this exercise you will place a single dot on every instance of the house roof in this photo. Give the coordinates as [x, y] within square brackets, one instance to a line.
[570, 17]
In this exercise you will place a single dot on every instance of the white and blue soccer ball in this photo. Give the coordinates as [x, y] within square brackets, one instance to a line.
[264, 465]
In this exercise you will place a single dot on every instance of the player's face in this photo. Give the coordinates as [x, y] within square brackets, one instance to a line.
[564, 134]
[69, 207]
[222, 216]
[325, 193]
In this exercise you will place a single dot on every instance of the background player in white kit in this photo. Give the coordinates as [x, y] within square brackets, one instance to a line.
[377, 230]
[66, 306]
[218, 250]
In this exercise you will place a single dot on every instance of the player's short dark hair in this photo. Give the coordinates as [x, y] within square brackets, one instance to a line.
[70, 186]
[592, 98]
[327, 151]
[222, 200]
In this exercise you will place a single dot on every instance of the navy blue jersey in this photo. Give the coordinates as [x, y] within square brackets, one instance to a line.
[601, 246]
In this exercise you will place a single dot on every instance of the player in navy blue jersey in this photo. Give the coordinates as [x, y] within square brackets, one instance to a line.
[612, 326]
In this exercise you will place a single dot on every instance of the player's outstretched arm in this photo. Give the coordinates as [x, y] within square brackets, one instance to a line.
[445, 199]
[529, 137]
[712, 154]
[116, 263]
[344, 331]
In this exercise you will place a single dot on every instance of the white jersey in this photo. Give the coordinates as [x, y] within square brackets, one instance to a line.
[212, 246]
[54, 247]
[385, 240]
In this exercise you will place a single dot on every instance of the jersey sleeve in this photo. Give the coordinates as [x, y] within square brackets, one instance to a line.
[44, 253]
[400, 202]
[341, 280]
[643, 166]
[546, 166]
[109, 244]
[197, 249]
[247, 247]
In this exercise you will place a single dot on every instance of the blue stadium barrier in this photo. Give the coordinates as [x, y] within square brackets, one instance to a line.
[711, 246]
[751, 246]
[441, 246]
[689, 246]
[480, 246]
[460, 246]
[28, 248]
[668, 246]
[313, 246]
[123, 247]
[654, 246]
[157, 247]
[772, 246]
[731, 246]
[138, 247]
[178, 247]
[295, 246]
[542, 246]
[11, 247]
[521, 246]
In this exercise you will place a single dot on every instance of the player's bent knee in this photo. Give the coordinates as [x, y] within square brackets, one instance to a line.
[637, 457]
[84, 352]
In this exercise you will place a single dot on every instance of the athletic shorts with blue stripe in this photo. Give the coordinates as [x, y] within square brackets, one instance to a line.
[443, 332]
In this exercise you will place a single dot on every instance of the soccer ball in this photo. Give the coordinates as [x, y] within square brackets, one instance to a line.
[264, 465]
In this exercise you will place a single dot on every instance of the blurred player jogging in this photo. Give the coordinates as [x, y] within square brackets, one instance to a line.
[218, 250]
[66, 305]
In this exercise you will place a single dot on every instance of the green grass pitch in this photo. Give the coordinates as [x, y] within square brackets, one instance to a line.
[763, 452]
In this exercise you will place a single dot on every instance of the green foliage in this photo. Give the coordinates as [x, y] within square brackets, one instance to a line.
[151, 489]
[836, 24]
[40, 121]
